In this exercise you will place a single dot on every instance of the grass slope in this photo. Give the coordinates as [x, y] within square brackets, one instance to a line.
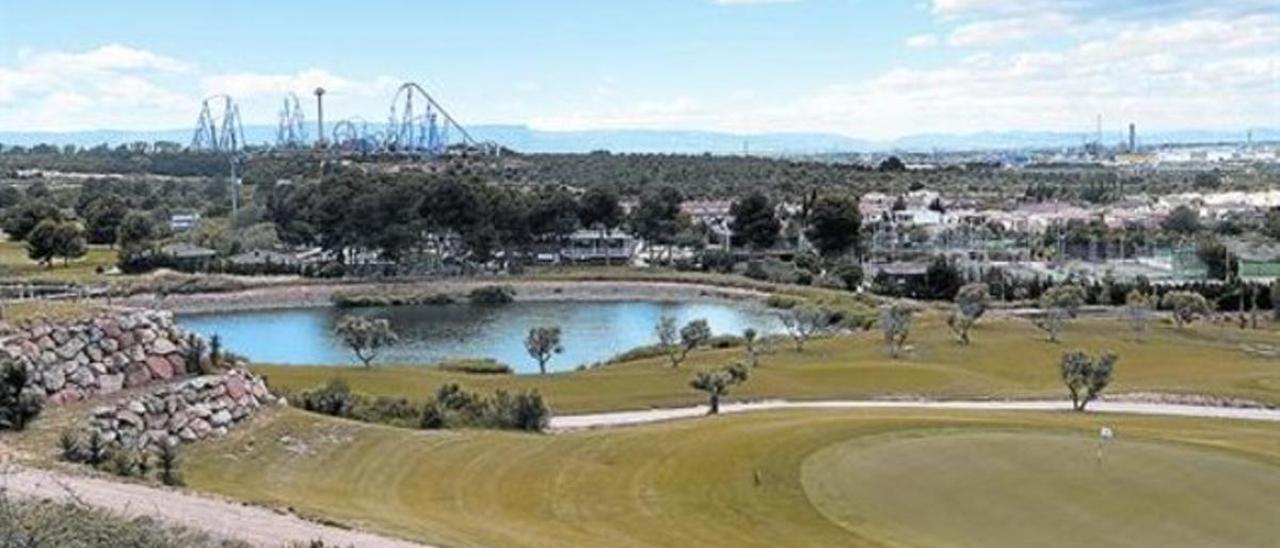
[1006, 359]
[15, 264]
[762, 479]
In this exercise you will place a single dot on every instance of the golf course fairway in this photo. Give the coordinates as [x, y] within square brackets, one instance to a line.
[794, 478]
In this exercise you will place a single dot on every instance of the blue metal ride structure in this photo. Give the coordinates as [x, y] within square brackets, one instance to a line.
[353, 135]
[221, 132]
[291, 130]
[418, 125]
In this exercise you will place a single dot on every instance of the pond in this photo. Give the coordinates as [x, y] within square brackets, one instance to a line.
[592, 331]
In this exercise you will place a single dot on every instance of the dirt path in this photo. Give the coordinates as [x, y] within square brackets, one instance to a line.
[625, 418]
[253, 524]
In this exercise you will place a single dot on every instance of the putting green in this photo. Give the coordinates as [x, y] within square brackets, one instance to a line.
[1008, 488]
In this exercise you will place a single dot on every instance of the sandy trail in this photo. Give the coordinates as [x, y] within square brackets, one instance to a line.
[253, 524]
[626, 418]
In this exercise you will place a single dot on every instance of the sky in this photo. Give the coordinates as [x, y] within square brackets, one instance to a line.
[874, 69]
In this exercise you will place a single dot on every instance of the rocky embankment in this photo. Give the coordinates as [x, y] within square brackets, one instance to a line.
[184, 412]
[73, 360]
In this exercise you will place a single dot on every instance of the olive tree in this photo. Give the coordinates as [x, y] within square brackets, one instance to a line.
[895, 323]
[365, 336]
[717, 383]
[1137, 311]
[750, 340]
[1185, 306]
[1058, 305]
[803, 322]
[971, 303]
[1086, 376]
[677, 343]
[542, 343]
[52, 239]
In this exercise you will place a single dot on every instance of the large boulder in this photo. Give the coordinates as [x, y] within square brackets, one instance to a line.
[160, 367]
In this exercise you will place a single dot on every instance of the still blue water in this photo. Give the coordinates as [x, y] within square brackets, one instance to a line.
[591, 331]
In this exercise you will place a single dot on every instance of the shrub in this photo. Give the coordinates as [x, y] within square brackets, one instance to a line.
[386, 410]
[124, 464]
[717, 260]
[169, 463]
[450, 407]
[18, 406]
[781, 302]
[639, 353]
[482, 366]
[492, 294]
[69, 447]
[360, 300]
[524, 411]
[725, 341]
[849, 274]
[335, 399]
[96, 450]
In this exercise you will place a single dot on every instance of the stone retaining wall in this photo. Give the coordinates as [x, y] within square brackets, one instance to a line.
[187, 411]
[73, 360]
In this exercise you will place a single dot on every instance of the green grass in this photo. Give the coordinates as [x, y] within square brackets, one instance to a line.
[1034, 489]
[1008, 359]
[15, 264]
[50, 310]
[786, 478]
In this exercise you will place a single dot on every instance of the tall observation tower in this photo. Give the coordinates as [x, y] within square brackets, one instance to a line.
[320, 116]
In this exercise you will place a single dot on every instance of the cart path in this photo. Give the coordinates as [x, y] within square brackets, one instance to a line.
[253, 524]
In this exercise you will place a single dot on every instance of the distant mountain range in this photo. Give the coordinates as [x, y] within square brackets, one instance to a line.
[526, 139]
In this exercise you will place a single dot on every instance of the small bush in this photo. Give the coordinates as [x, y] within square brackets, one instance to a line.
[450, 407]
[359, 300]
[781, 302]
[717, 260]
[334, 399]
[387, 410]
[124, 464]
[639, 353]
[492, 294]
[483, 366]
[18, 406]
[69, 447]
[524, 411]
[169, 464]
[724, 341]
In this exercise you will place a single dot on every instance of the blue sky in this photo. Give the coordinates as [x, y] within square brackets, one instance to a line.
[862, 68]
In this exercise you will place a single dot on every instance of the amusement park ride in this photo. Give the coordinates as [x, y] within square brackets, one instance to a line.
[417, 127]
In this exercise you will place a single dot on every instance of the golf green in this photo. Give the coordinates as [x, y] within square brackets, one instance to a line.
[1024, 488]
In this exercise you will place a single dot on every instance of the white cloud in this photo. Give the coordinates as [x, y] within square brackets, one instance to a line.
[922, 41]
[121, 87]
[90, 89]
[249, 85]
[995, 31]
[1201, 73]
